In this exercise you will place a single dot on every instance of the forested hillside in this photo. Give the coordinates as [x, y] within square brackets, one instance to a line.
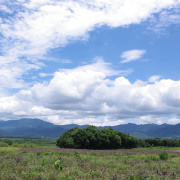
[37, 127]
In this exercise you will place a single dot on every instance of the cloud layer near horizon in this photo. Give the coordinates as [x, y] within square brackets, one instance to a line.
[88, 92]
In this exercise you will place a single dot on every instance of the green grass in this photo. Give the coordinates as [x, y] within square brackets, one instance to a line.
[41, 165]
[26, 144]
[8, 150]
[20, 141]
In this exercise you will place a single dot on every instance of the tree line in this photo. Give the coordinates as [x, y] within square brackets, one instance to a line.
[157, 142]
[94, 138]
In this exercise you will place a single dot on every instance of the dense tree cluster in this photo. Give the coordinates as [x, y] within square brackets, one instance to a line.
[168, 142]
[94, 138]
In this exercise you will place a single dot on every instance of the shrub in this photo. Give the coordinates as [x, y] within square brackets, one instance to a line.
[39, 153]
[16, 145]
[118, 155]
[24, 152]
[93, 154]
[163, 155]
[9, 142]
[3, 144]
[27, 145]
[77, 155]
[58, 164]
[132, 177]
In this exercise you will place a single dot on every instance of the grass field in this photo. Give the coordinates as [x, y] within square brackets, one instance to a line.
[16, 163]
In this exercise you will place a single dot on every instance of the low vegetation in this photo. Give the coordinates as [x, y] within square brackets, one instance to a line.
[22, 141]
[58, 165]
[28, 159]
[163, 155]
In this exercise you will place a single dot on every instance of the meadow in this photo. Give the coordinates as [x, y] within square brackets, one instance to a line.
[39, 164]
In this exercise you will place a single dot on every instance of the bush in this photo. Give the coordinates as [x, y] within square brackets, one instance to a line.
[9, 142]
[163, 156]
[58, 164]
[3, 144]
[16, 145]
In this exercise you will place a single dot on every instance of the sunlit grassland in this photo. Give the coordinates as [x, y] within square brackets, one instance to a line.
[27, 144]
[41, 165]
[6, 150]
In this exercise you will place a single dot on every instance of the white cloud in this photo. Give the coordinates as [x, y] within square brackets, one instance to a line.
[42, 25]
[88, 92]
[132, 55]
[5, 9]
[10, 73]
[35, 26]
[154, 78]
[174, 120]
[160, 22]
[87, 95]
[150, 119]
[65, 61]
[45, 74]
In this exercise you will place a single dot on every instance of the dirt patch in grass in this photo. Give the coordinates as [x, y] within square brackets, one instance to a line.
[109, 152]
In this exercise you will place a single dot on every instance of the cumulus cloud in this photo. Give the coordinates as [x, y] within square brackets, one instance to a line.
[132, 55]
[88, 93]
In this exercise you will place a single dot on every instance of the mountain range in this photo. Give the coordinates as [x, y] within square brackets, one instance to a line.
[37, 127]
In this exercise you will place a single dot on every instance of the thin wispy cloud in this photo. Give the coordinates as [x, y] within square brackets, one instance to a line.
[159, 22]
[40, 26]
[154, 78]
[132, 55]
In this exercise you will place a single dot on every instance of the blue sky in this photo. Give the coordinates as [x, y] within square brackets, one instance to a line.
[99, 62]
